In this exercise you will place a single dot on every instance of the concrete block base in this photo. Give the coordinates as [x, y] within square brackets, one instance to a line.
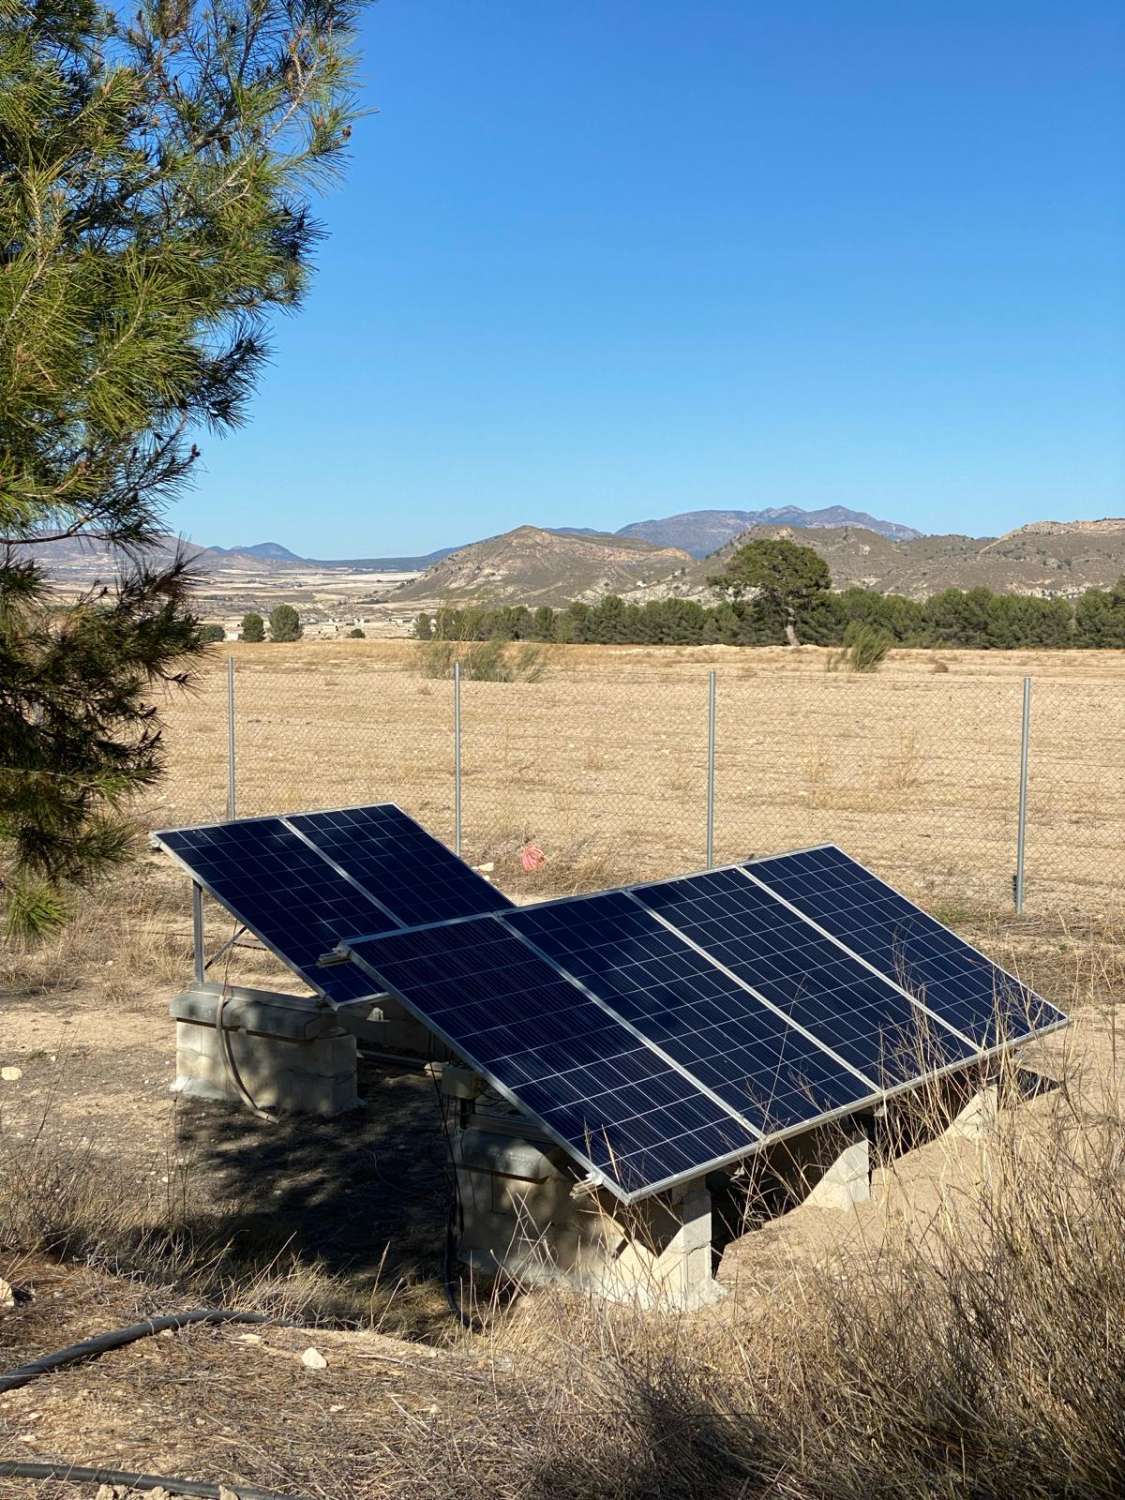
[522, 1216]
[827, 1168]
[847, 1181]
[288, 1051]
[978, 1119]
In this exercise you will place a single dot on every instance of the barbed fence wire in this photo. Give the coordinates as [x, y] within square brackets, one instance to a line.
[615, 774]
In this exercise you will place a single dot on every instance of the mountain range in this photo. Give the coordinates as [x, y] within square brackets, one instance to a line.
[701, 532]
[533, 566]
[675, 556]
[697, 532]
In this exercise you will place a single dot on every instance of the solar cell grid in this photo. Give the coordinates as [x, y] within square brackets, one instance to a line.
[910, 947]
[616, 1103]
[845, 1007]
[417, 878]
[284, 892]
[733, 1044]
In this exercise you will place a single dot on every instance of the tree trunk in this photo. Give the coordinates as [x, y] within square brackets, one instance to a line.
[791, 632]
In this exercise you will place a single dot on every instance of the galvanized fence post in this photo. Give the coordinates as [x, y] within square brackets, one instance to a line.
[231, 801]
[1021, 828]
[711, 719]
[457, 757]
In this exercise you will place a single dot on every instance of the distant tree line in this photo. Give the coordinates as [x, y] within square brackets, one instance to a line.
[975, 618]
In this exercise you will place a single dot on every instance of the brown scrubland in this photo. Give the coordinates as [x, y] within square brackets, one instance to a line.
[962, 1334]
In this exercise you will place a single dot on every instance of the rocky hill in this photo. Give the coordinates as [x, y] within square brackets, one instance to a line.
[533, 566]
[702, 532]
[1046, 558]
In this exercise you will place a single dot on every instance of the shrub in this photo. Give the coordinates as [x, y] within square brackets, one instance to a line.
[285, 623]
[484, 661]
[868, 647]
[211, 634]
[357, 634]
[424, 627]
[253, 627]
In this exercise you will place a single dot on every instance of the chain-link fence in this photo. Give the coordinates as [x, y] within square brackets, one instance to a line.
[624, 772]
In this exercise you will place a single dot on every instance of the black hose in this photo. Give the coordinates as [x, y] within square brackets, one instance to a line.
[102, 1342]
[448, 1269]
[76, 1474]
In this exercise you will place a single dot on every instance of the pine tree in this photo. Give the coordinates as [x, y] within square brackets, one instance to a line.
[785, 579]
[155, 169]
[285, 623]
[253, 627]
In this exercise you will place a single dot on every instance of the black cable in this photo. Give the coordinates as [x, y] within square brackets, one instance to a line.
[77, 1474]
[453, 1228]
[100, 1343]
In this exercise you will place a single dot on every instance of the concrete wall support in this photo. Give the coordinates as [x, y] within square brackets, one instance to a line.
[289, 1052]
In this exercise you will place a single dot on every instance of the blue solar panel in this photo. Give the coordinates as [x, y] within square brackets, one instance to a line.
[900, 940]
[300, 900]
[413, 875]
[856, 1014]
[749, 1056]
[611, 1099]
[284, 892]
[661, 1030]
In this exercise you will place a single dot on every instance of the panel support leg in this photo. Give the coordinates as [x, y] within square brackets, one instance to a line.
[197, 932]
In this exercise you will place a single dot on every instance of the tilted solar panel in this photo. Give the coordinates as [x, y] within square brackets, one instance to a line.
[413, 875]
[812, 982]
[287, 894]
[302, 883]
[954, 980]
[662, 1030]
[773, 1074]
[616, 1103]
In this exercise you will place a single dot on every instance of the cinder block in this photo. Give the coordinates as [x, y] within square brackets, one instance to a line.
[847, 1181]
[307, 1067]
[979, 1117]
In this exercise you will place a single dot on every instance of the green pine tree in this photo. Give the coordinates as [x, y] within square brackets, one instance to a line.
[156, 164]
[285, 623]
[785, 579]
[253, 627]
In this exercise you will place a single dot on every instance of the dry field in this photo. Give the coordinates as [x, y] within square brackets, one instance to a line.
[961, 1335]
[914, 770]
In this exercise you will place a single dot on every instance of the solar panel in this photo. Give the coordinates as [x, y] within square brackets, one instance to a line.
[663, 1030]
[954, 980]
[302, 883]
[284, 892]
[613, 1101]
[859, 1016]
[413, 875]
[746, 1054]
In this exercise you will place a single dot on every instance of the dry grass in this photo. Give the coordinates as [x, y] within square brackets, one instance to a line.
[962, 1338]
[915, 773]
[982, 1355]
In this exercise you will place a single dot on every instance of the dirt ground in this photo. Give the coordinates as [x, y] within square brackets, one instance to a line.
[358, 1206]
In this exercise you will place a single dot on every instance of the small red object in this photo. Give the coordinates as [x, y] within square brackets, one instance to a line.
[532, 857]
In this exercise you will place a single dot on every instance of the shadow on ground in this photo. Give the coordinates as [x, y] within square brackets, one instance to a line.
[364, 1197]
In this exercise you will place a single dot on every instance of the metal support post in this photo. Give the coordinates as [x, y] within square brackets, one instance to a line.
[711, 721]
[231, 813]
[197, 932]
[457, 757]
[1021, 830]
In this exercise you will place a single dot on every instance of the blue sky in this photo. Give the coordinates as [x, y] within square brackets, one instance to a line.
[612, 259]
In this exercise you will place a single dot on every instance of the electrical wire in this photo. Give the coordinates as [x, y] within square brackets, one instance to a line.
[78, 1474]
[101, 1343]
